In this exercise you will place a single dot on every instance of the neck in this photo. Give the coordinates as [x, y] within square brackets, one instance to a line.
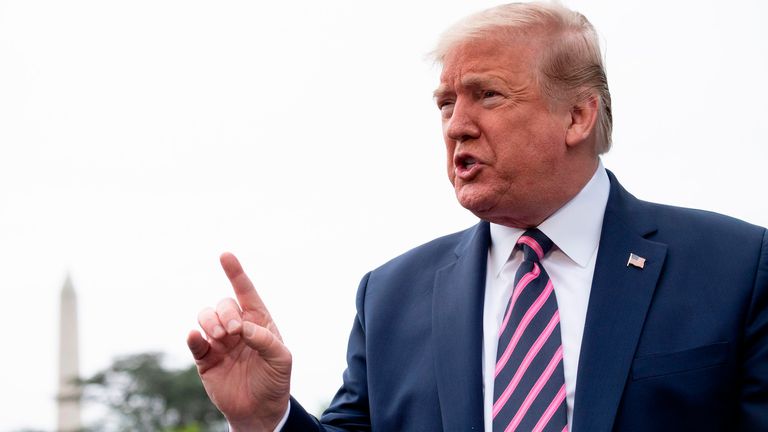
[539, 211]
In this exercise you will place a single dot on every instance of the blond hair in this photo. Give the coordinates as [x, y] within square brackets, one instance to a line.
[570, 65]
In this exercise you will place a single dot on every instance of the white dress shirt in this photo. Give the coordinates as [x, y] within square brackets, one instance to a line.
[575, 230]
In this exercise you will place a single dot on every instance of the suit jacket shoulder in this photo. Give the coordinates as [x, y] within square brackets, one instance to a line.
[686, 335]
[416, 267]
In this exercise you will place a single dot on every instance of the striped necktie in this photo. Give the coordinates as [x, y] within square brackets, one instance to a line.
[529, 385]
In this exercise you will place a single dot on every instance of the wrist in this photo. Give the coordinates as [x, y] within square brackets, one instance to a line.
[253, 426]
[259, 423]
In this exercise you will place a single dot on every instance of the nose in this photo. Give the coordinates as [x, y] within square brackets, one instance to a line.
[461, 125]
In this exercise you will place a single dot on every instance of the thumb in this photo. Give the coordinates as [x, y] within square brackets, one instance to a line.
[266, 343]
[197, 345]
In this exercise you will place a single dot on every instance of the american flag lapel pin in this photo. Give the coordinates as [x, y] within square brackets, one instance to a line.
[636, 261]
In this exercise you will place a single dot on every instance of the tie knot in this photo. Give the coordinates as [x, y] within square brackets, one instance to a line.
[534, 244]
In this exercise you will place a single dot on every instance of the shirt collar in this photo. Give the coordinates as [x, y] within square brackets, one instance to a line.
[574, 228]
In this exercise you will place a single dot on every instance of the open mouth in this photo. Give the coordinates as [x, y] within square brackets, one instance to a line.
[464, 161]
[466, 166]
[467, 162]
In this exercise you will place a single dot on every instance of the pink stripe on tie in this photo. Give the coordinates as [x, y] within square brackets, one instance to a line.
[529, 314]
[524, 281]
[535, 348]
[540, 383]
[550, 411]
[530, 241]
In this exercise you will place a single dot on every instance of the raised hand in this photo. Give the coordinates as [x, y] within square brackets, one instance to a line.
[243, 363]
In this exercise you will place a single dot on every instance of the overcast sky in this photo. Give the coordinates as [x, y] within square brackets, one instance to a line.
[138, 140]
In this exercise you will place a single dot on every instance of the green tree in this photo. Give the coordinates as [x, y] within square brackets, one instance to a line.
[143, 395]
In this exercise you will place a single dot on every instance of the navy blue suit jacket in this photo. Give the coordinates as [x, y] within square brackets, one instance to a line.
[681, 344]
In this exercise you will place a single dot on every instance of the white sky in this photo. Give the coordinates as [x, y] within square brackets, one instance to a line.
[140, 139]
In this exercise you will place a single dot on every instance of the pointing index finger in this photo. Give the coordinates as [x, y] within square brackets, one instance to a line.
[244, 290]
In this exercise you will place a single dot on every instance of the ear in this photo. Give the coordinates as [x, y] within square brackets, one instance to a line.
[583, 120]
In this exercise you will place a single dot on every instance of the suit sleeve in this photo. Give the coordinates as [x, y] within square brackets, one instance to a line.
[349, 409]
[754, 388]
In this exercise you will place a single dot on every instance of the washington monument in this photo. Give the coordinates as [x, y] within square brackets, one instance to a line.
[68, 398]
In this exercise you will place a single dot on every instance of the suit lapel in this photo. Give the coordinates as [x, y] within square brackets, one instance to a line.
[457, 326]
[618, 304]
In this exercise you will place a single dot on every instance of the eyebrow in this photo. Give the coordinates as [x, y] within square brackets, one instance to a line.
[477, 80]
[440, 91]
[470, 81]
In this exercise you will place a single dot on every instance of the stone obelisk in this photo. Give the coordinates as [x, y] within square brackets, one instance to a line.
[68, 398]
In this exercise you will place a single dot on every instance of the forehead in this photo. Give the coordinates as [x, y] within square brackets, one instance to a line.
[486, 60]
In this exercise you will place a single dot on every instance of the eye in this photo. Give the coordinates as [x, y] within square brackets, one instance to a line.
[490, 93]
[445, 106]
[446, 109]
[442, 103]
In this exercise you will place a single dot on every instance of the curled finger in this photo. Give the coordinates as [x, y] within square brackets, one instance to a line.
[229, 315]
[209, 322]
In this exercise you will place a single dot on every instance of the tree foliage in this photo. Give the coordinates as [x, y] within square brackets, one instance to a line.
[143, 395]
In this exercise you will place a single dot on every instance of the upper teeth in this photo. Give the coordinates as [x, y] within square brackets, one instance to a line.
[469, 161]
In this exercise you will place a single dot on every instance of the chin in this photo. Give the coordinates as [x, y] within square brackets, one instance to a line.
[486, 206]
[477, 203]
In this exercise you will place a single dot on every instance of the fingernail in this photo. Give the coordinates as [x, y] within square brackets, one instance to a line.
[218, 332]
[233, 326]
[248, 329]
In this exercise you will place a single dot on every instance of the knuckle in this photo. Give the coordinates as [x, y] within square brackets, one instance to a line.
[227, 307]
[204, 314]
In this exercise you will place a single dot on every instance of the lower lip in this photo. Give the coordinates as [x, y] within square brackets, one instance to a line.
[467, 173]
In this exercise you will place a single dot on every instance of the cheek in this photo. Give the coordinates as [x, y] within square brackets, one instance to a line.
[449, 166]
[525, 146]
[450, 147]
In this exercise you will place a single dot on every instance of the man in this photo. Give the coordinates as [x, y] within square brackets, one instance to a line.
[571, 306]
